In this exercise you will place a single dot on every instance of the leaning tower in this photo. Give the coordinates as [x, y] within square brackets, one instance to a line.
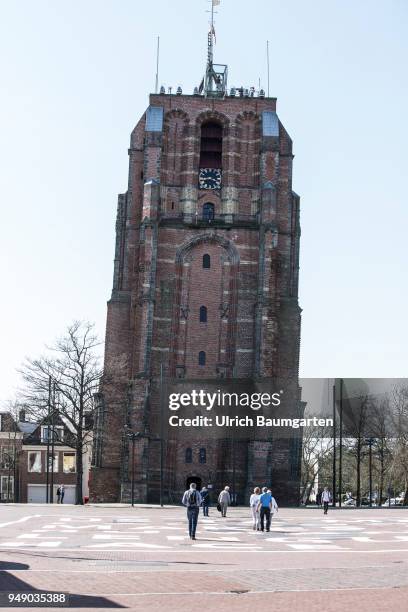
[205, 293]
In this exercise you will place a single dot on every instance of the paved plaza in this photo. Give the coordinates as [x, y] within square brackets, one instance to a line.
[142, 558]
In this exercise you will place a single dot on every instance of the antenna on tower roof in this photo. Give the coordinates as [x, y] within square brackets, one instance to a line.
[267, 62]
[156, 88]
[214, 83]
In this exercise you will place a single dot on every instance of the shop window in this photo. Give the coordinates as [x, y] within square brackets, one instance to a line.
[51, 463]
[68, 463]
[34, 461]
[6, 458]
[7, 488]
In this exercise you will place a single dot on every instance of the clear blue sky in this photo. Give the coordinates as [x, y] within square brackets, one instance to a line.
[75, 79]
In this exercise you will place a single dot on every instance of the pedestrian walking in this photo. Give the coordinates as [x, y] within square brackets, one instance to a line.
[253, 504]
[224, 499]
[58, 495]
[205, 496]
[265, 507]
[62, 493]
[192, 501]
[326, 499]
[274, 505]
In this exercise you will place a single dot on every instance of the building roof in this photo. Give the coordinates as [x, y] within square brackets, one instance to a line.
[27, 427]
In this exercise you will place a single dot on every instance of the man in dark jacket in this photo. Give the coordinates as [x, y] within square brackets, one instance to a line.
[192, 500]
[205, 496]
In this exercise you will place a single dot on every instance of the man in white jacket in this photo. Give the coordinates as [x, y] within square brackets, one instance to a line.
[253, 504]
[224, 499]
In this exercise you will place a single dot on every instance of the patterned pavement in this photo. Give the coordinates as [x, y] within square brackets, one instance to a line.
[142, 558]
[316, 533]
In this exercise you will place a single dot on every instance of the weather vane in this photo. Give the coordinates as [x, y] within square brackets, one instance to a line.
[214, 83]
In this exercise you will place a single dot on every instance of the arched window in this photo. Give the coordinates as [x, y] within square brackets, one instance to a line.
[206, 261]
[203, 314]
[201, 358]
[202, 457]
[208, 211]
[189, 455]
[211, 145]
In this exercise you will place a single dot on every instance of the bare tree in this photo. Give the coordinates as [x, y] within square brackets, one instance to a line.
[73, 367]
[357, 431]
[381, 430]
[399, 399]
[316, 445]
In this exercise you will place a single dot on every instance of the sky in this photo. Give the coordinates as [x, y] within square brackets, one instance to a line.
[75, 80]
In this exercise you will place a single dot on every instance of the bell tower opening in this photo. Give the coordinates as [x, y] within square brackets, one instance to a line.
[211, 145]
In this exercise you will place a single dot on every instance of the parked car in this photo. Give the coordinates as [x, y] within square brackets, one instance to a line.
[394, 501]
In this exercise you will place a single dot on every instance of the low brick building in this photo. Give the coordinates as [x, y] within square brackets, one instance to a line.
[11, 440]
[33, 463]
[23, 460]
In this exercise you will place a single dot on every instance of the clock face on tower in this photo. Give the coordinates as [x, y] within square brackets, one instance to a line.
[209, 178]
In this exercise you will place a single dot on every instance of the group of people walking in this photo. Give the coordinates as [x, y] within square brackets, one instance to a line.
[263, 505]
[194, 499]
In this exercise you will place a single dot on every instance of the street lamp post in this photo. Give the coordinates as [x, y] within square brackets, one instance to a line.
[334, 447]
[133, 469]
[369, 442]
[370, 471]
[47, 465]
[132, 436]
[52, 443]
[341, 442]
[161, 431]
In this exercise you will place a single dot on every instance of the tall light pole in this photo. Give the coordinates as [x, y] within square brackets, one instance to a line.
[132, 436]
[334, 447]
[370, 470]
[52, 443]
[161, 431]
[47, 462]
[341, 442]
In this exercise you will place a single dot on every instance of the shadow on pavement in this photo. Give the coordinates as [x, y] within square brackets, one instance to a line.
[10, 583]
[10, 565]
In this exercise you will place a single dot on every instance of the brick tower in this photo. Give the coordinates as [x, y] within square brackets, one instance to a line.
[205, 292]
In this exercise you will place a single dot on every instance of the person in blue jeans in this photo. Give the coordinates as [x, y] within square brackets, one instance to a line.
[264, 508]
[205, 496]
[192, 501]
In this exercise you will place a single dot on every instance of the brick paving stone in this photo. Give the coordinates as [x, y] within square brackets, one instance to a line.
[361, 575]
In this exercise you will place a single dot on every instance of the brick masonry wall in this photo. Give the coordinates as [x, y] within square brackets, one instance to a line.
[250, 291]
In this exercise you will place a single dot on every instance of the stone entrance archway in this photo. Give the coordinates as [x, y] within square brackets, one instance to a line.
[195, 479]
